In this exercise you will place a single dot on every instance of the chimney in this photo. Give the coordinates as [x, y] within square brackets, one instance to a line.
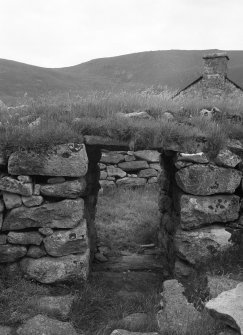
[215, 65]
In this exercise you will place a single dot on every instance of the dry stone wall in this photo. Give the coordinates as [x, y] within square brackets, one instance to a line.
[128, 168]
[47, 207]
[201, 204]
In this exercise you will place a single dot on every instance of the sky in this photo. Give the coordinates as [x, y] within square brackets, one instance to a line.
[58, 33]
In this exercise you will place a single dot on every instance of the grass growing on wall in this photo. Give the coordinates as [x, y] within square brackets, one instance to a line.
[62, 121]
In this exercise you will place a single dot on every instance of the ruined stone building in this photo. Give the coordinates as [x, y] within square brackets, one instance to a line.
[214, 82]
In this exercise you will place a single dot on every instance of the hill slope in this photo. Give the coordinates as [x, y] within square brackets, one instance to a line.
[173, 68]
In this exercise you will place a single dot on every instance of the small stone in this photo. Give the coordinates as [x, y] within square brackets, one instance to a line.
[111, 178]
[43, 325]
[115, 172]
[155, 166]
[198, 157]
[147, 173]
[46, 231]
[102, 166]
[24, 179]
[56, 180]
[126, 332]
[30, 237]
[107, 184]
[133, 166]
[151, 156]
[12, 185]
[227, 158]
[11, 253]
[111, 158]
[35, 251]
[36, 189]
[55, 306]
[100, 257]
[12, 200]
[130, 158]
[131, 182]
[34, 200]
[103, 175]
[3, 239]
[152, 180]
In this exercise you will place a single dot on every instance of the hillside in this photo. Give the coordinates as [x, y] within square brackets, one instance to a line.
[173, 68]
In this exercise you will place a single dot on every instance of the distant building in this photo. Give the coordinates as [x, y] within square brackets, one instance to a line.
[214, 81]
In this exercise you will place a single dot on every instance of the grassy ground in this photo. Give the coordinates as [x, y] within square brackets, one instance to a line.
[98, 115]
[127, 218]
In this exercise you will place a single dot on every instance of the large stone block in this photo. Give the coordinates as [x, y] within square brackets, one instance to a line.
[49, 270]
[68, 189]
[197, 246]
[67, 160]
[205, 180]
[200, 211]
[62, 214]
[133, 166]
[151, 156]
[11, 253]
[12, 185]
[66, 242]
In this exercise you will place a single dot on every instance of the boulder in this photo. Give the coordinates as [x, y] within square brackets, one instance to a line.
[176, 315]
[67, 160]
[228, 307]
[147, 173]
[133, 166]
[43, 325]
[56, 306]
[66, 242]
[198, 246]
[198, 157]
[115, 172]
[30, 237]
[11, 253]
[48, 270]
[227, 158]
[62, 214]
[32, 201]
[131, 182]
[35, 251]
[111, 158]
[151, 156]
[208, 179]
[69, 189]
[12, 185]
[200, 211]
